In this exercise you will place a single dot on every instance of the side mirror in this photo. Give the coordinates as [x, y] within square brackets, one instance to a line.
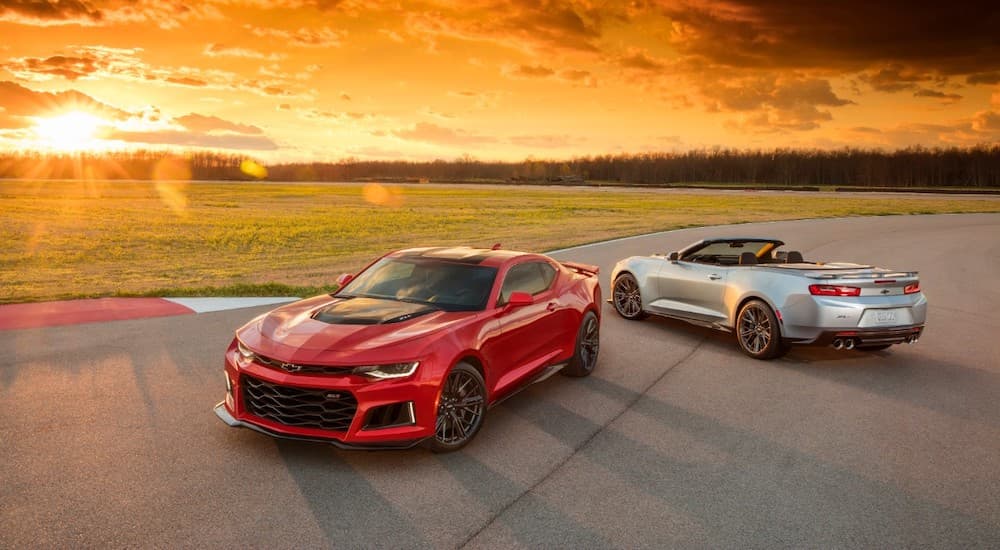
[344, 279]
[518, 299]
[674, 256]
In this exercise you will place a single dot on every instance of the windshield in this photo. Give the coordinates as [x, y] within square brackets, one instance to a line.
[450, 286]
[728, 252]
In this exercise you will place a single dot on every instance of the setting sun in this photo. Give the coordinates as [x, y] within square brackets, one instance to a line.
[72, 131]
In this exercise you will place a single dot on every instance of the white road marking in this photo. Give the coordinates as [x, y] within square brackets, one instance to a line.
[204, 305]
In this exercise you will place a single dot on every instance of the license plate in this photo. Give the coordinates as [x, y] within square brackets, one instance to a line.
[885, 317]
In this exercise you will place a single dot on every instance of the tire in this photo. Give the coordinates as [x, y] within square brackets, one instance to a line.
[626, 297]
[588, 345]
[461, 409]
[757, 331]
[876, 347]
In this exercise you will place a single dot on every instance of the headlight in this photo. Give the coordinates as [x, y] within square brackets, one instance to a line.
[243, 354]
[381, 372]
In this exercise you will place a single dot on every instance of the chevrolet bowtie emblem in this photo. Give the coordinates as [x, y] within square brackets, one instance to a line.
[291, 367]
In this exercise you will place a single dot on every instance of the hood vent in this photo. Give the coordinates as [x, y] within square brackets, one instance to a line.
[369, 311]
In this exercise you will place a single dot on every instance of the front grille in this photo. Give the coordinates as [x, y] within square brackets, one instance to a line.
[293, 367]
[299, 407]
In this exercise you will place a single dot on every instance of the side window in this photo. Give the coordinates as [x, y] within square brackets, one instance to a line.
[533, 278]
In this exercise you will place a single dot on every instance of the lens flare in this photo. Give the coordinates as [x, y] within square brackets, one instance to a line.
[171, 175]
[381, 195]
[253, 169]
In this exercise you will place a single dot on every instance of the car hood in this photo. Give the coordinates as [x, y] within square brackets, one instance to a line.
[331, 329]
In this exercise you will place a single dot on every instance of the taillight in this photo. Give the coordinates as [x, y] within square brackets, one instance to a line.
[912, 288]
[834, 290]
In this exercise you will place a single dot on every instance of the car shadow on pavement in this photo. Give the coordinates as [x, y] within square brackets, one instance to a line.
[345, 505]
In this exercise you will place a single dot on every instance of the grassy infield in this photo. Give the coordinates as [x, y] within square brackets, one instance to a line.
[87, 239]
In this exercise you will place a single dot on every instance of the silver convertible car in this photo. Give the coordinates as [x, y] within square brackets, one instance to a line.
[772, 299]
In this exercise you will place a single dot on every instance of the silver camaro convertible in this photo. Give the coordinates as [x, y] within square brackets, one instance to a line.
[772, 299]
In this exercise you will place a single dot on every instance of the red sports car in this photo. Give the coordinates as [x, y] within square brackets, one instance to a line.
[413, 349]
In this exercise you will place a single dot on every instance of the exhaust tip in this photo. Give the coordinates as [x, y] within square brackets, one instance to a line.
[849, 343]
[838, 343]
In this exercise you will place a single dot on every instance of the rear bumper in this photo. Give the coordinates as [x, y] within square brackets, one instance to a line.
[225, 416]
[865, 337]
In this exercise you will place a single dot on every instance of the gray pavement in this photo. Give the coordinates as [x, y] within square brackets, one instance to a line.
[107, 436]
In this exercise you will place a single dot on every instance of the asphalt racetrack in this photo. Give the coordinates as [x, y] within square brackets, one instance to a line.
[107, 436]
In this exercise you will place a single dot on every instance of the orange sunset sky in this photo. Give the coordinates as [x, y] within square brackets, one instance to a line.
[299, 80]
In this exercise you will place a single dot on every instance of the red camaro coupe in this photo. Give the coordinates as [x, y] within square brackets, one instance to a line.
[413, 349]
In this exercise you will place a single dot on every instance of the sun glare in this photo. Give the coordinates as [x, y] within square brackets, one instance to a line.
[73, 131]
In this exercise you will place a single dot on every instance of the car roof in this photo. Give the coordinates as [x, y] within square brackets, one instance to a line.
[462, 254]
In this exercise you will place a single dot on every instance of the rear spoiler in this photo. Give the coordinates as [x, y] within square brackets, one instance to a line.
[583, 269]
[865, 276]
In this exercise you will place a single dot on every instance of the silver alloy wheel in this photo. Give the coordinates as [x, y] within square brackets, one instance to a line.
[628, 301]
[754, 329]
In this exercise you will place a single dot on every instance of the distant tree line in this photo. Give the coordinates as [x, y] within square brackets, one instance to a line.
[911, 167]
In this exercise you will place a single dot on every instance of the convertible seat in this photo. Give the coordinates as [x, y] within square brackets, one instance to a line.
[748, 258]
[794, 257]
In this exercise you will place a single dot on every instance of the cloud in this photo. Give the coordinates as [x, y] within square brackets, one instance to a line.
[986, 121]
[766, 104]
[324, 37]
[529, 25]
[895, 78]
[166, 14]
[639, 60]
[195, 139]
[528, 71]
[432, 133]
[203, 123]
[20, 104]
[847, 34]
[220, 50]
[946, 98]
[992, 77]
[101, 62]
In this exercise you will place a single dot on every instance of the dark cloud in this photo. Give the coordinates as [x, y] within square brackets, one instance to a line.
[164, 13]
[846, 34]
[540, 26]
[773, 104]
[529, 71]
[49, 12]
[641, 61]
[984, 78]
[439, 135]
[895, 78]
[203, 123]
[947, 98]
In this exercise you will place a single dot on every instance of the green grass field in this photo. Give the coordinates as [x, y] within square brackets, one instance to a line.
[88, 239]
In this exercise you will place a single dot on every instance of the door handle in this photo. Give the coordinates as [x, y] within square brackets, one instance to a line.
[714, 277]
[551, 306]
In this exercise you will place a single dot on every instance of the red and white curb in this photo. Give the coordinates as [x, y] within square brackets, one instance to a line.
[72, 312]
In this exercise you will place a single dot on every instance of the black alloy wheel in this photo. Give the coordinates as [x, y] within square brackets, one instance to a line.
[626, 297]
[461, 409]
[757, 331]
[588, 345]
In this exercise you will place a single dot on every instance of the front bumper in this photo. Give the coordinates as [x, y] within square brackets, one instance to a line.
[278, 411]
[225, 416]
